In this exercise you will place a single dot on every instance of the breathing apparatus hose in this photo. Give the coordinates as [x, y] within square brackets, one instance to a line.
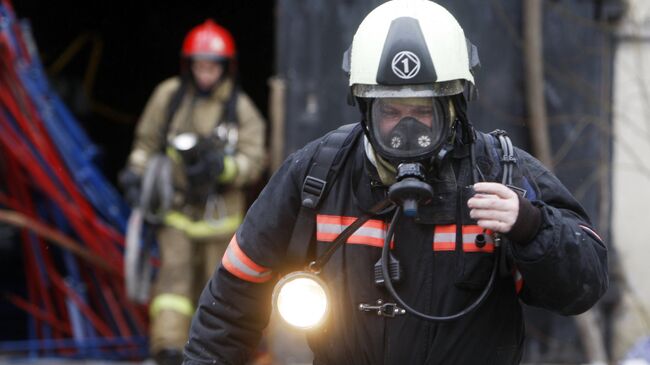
[389, 285]
[137, 264]
[155, 202]
[157, 190]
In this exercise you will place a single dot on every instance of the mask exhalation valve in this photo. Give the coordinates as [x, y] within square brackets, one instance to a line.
[410, 190]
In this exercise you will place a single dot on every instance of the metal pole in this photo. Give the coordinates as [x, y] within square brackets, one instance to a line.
[534, 76]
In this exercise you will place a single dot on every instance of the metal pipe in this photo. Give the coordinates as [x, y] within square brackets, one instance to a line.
[534, 76]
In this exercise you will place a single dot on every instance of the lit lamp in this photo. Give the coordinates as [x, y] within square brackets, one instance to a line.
[185, 141]
[302, 299]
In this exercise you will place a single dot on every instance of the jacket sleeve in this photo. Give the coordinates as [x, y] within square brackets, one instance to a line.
[235, 305]
[564, 267]
[148, 134]
[250, 157]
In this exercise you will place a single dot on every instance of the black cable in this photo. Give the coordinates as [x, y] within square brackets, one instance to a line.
[476, 173]
[511, 154]
[393, 293]
[507, 159]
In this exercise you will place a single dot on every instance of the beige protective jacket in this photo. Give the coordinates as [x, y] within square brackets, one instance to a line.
[200, 114]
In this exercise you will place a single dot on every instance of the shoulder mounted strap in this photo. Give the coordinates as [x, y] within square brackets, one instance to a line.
[230, 114]
[508, 159]
[172, 107]
[319, 178]
[330, 147]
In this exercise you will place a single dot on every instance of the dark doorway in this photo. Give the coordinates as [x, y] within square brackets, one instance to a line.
[140, 46]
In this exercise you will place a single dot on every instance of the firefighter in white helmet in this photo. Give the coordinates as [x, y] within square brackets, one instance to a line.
[413, 236]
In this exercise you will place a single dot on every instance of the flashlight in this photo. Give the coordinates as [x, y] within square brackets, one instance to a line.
[301, 299]
[185, 141]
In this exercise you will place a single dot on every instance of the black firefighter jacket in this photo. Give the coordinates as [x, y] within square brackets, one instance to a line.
[563, 269]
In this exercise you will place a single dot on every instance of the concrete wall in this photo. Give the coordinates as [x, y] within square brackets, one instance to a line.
[631, 175]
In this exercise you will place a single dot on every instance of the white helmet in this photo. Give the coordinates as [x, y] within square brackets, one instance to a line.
[410, 48]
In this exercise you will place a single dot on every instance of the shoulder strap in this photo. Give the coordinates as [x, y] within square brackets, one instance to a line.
[231, 107]
[330, 147]
[500, 141]
[172, 107]
[320, 176]
[508, 159]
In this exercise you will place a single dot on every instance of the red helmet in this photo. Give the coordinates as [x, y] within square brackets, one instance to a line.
[209, 40]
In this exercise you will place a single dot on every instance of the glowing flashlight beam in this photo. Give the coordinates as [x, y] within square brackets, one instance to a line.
[301, 300]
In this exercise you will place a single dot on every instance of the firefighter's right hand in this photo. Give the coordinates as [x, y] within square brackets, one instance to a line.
[494, 206]
[130, 183]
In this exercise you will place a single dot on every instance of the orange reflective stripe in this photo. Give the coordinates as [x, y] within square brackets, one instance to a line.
[444, 246]
[467, 247]
[346, 221]
[471, 247]
[472, 229]
[354, 239]
[371, 233]
[469, 239]
[240, 265]
[444, 238]
[450, 228]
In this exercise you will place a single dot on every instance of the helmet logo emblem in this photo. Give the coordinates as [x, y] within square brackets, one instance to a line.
[405, 65]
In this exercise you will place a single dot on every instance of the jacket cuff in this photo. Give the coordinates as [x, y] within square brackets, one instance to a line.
[527, 224]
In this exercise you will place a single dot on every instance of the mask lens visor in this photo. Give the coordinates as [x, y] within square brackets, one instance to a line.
[408, 128]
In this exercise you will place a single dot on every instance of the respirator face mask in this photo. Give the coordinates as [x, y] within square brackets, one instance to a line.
[408, 129]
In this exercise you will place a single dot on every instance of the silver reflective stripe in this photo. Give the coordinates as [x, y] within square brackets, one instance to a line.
[239, 265]
[362, 231]
[444, 237]
[467, 238]
[471, 237]
[591, 232]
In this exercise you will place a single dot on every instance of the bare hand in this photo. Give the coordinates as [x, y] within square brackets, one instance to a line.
[494, 206]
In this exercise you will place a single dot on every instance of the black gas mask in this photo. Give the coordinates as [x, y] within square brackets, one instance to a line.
[409, 132]
[409, 135]
[404, 130]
